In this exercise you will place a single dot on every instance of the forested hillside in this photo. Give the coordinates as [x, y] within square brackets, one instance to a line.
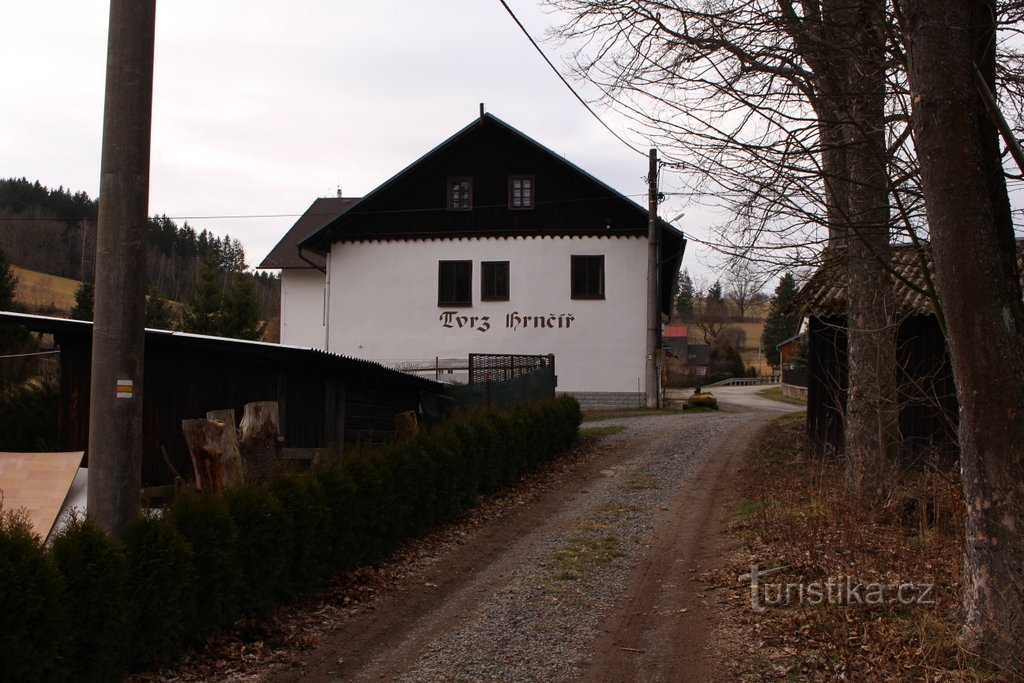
[54, 231]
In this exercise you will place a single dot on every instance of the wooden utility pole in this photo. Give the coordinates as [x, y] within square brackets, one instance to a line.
[115, 409]
[653, 269]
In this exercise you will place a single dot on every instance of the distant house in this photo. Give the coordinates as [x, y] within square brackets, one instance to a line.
[489, 243]
[792, 368]
[686, 363]
[926, 392]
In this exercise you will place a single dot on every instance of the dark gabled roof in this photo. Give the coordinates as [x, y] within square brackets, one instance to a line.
[320, 213]
[569, 202]
[410, 205]
[277, 353]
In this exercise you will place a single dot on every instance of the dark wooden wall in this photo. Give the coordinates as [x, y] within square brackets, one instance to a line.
[926, 389]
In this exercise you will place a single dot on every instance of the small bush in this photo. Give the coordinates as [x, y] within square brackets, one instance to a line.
[705, 400]
[259, 553]
[95, 574]
[308, 546]
[33, 622]
[160, 590]
[204, 521]
[340, 492]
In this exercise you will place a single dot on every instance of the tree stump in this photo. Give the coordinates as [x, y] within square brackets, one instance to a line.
[261, 442]
[217, 465]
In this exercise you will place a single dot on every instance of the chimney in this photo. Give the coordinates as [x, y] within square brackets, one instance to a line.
[481, 110]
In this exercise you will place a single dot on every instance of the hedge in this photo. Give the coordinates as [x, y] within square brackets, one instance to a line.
[90, 607]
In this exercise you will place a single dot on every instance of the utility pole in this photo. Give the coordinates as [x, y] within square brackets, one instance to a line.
[115, 408]
[653, 269]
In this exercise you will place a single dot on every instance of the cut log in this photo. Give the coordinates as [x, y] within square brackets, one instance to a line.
[233, 472]
[214, 454]
[261, 440]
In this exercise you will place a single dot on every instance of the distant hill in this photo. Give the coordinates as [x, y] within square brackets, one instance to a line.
[52, 232]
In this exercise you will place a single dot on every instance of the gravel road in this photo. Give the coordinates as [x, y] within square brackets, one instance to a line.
[594, 579]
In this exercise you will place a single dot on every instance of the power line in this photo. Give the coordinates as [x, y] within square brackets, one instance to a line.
[34, 219]
[563, 79]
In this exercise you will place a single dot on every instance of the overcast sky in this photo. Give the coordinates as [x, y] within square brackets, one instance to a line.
[260, 107]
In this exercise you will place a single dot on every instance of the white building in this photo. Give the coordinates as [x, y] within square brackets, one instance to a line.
[490, 243]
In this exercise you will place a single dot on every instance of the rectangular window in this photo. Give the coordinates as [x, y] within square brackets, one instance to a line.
[520, 192]
[454, 283]
[587, 277]
[494, 281]
[460, 194]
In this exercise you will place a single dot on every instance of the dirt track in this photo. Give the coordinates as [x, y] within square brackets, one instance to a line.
[596, 577]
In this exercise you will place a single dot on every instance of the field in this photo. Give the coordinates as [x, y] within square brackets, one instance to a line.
[42, 293]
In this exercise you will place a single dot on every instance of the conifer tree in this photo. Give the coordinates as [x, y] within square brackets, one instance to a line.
[204, 306]
[240, 316]
[159, 315]
[84, 300]
[684, 298]
[782, 320]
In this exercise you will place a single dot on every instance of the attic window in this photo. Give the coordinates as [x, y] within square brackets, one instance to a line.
[520, 192]
[460, 194]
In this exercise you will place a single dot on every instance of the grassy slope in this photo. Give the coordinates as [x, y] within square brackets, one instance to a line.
[43, 292]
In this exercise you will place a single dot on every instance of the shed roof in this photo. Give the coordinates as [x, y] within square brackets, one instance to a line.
[308, 358]
[912, 272]
[321, 212]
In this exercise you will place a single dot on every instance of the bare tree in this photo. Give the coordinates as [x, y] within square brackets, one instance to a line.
[977, 273]
[744, 285]
[778, 108]
[709, 313]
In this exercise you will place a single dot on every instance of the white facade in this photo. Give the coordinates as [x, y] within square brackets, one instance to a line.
[383, 305]
[303, 308]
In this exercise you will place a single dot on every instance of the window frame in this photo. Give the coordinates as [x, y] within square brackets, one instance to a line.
[585, 261]
[511, 197]
[449, 193]
[455, 276]
[487, 279]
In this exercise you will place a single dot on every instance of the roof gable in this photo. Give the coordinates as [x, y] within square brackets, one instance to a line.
[413, 203]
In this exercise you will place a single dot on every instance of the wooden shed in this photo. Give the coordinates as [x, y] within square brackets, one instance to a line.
[325, 400]
[926, 392]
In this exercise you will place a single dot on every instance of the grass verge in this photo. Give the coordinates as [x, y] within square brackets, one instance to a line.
[775, 394]
[598, 432]
[595, 415]
[793, 513]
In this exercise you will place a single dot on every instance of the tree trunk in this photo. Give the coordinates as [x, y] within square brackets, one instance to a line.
[871, 417]
[849, 58]
[978, 281]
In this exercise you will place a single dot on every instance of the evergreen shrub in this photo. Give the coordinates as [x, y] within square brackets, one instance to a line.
[33, 623]
[160, 590]
[94, 572]
[205, 522]
[260, 554]
[309, 545]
